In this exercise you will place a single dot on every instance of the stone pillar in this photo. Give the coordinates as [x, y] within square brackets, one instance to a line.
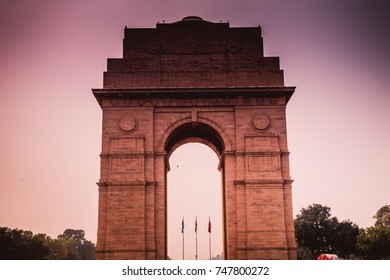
[160, 208]
[230, 207]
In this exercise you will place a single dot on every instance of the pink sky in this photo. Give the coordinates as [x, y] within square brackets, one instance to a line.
[53, 52]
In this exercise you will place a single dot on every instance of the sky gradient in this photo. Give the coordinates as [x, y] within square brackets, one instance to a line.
[53, 52]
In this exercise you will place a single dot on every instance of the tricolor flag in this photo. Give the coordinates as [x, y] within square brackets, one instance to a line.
[209, 225]
[182, 225]
[196, 224]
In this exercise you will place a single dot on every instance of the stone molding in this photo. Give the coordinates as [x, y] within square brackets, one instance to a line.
[193, 97]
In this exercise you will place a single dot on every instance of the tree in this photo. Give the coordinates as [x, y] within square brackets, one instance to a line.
[75, 234]
[7, 245]
[78, 247]
[16, 244]
[311, 227]
[317, 232]
[374, 242]
[87, 250]
[59, 249]
[40, 246]
[382, 216]
[344, 238]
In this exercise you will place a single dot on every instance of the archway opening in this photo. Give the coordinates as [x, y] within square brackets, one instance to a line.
[194, 192]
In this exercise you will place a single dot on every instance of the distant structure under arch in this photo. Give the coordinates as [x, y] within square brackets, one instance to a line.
[194, 81]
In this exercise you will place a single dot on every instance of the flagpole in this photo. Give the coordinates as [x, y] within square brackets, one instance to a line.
[210, 245]
[196, 256]
[182, 231]
[209, 229]
[196, 238]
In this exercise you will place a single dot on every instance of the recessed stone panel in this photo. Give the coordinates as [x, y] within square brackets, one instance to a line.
[126, 165]
[127, 145]
[263, 163]
[262, 144]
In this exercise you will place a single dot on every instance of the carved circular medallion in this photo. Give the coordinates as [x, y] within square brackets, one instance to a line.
[127, 124]
[260, 122]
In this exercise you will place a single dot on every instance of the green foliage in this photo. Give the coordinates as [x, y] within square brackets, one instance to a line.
[311, 229]
[87, 250]
[344, 238]
[304, 254]
[317, 232]
[382, 216]
[75, 234]
[78, 247]
[16, 244]
[59, 249]
[374, 243]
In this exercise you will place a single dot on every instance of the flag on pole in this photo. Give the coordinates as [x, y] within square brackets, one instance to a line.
[196, 224]
[209, 226]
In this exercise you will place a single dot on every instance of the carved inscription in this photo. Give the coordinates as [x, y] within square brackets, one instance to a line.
[191, 102]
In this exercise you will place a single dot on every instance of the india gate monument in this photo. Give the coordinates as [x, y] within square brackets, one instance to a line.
[204, 82]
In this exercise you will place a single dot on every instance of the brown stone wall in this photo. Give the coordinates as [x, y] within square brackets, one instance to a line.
[186, 52]
[194, 81]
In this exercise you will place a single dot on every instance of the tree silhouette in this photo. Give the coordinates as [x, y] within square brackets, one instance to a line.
[16, 244]
[317, 232]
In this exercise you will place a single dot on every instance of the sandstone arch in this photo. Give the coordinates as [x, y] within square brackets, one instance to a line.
[199, 81]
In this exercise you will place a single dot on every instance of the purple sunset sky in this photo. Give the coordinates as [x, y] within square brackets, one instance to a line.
[53, 52]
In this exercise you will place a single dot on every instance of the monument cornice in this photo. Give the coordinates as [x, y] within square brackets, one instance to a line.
[286, 90]
[238, 96]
